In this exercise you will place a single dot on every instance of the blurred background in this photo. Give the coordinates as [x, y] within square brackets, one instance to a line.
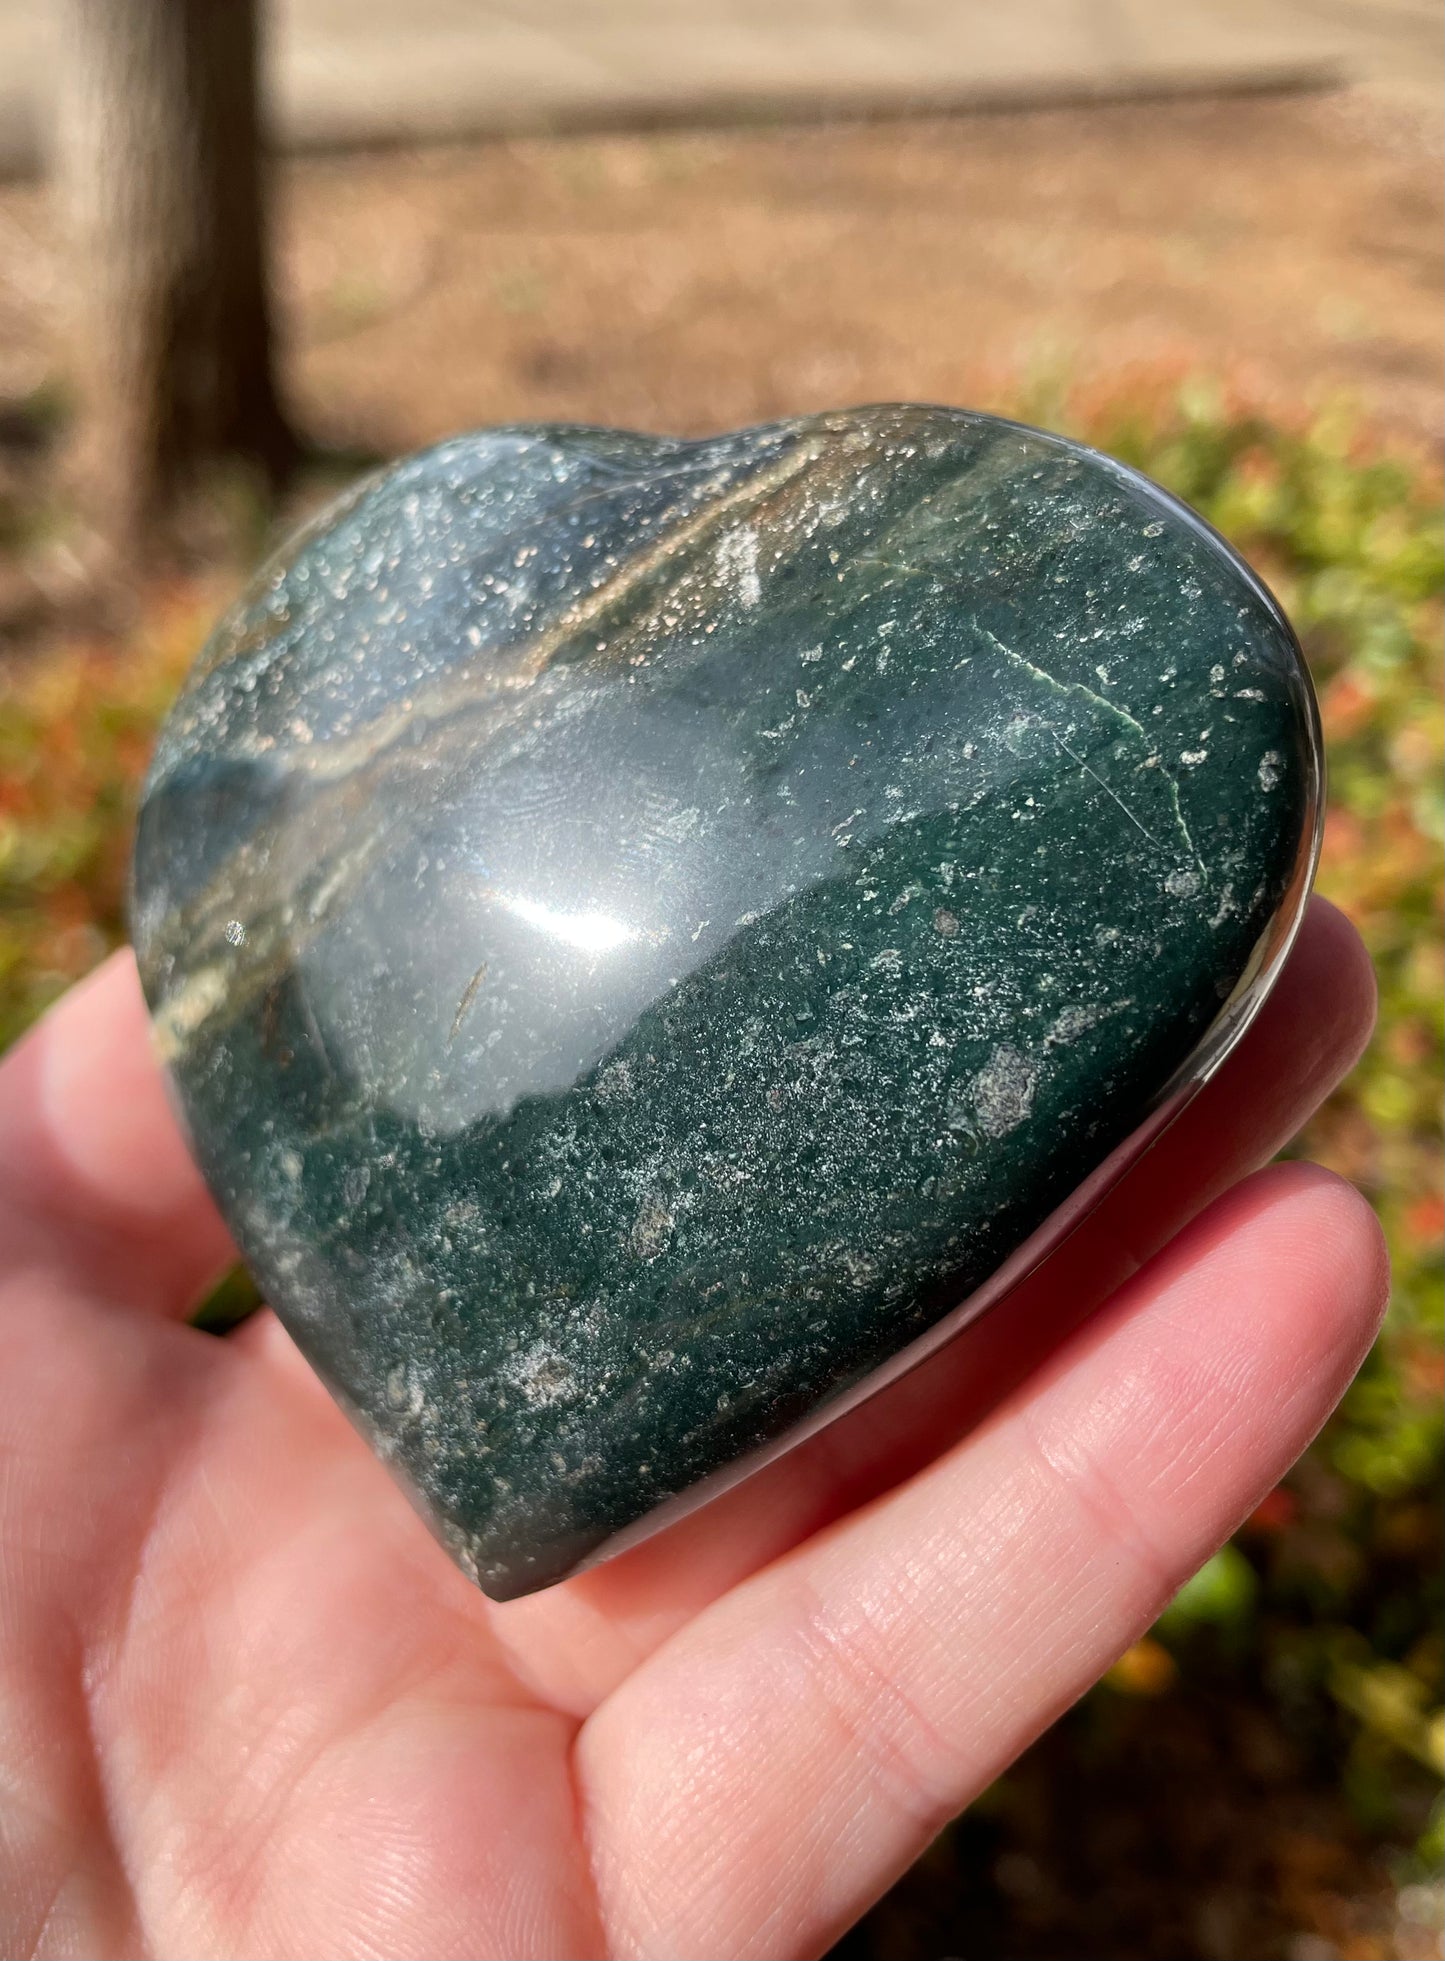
[248, 247]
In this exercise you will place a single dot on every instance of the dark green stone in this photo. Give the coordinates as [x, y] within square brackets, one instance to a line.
[642, 930]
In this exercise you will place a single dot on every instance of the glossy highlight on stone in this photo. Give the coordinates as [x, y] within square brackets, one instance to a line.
[649, 936]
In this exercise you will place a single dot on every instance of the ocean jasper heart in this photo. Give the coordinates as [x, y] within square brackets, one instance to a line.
[651, 935]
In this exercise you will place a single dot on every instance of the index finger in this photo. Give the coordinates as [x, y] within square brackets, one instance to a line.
[96, 1180]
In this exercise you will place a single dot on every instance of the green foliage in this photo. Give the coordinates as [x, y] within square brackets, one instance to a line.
[1330, 1600]
[1222, 1594]
[76, 726]
[1345, 1558]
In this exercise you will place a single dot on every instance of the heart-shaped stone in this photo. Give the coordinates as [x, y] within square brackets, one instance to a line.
[651, 935]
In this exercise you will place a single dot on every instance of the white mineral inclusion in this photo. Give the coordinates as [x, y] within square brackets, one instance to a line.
[1003, 1091]
[737, 564]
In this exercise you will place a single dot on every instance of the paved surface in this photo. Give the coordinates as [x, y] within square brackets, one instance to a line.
[364, 71]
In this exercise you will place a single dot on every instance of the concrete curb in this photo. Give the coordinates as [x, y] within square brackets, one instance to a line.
[320, 106]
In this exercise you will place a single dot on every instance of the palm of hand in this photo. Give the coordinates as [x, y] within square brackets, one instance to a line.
[248, 1708]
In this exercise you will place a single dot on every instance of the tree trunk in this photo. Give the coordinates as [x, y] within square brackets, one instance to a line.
[160, 168]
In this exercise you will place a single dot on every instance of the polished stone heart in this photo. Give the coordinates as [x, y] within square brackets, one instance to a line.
[649, 935]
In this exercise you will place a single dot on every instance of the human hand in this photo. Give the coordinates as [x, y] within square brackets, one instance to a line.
[248, 1708]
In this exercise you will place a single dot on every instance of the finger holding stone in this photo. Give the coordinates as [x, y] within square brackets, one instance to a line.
[96, 1180]
[784, 1757]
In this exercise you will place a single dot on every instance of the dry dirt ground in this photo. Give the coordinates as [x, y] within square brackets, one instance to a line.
[1290, 246]
[691, 282]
